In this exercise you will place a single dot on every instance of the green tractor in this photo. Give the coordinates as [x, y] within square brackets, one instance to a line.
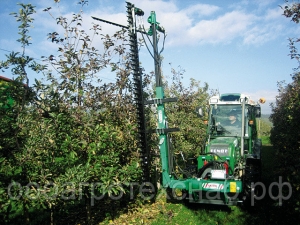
[230, 162]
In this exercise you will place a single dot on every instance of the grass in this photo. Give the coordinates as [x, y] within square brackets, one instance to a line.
[199, 214]
[162, 212]
[265, 140]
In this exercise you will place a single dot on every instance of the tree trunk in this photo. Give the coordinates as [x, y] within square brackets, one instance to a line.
[51, 214]
[26, 214]
[88, 208]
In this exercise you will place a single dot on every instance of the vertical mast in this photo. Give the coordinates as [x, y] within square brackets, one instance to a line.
[160, 97]
[138, 90]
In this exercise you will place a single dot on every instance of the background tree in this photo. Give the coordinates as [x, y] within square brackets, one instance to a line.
[76, 129]
[183, 113]
[285, 133]
[188, 142]
[14, 164]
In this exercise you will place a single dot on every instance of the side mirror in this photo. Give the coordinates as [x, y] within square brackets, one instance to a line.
[257, 111]
[199, 111]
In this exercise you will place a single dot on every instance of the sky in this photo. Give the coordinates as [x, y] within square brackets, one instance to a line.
[233, 46]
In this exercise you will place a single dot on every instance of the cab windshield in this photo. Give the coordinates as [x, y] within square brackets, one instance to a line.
[226, 120]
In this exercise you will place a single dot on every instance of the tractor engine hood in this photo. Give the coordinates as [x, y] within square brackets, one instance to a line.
[223, 146]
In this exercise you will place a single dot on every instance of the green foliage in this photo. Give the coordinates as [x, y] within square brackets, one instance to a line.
[25, 19]
[285, 134]
[12, 158]
[292, 11]
[182, 114]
